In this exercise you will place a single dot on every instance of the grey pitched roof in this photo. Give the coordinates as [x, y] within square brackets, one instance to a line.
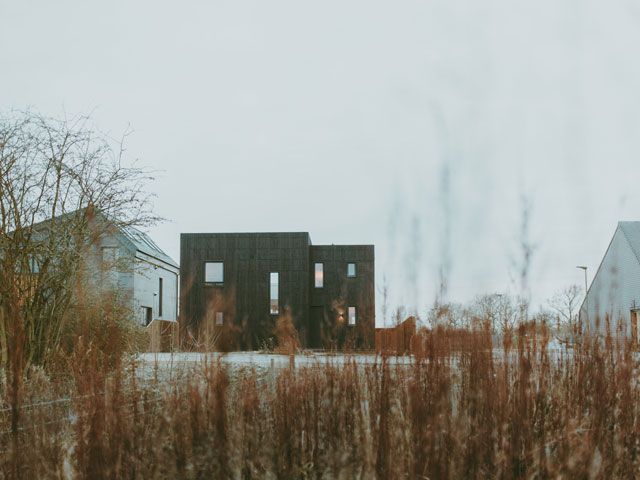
[138, 239]
[143, 243]
[631, 231]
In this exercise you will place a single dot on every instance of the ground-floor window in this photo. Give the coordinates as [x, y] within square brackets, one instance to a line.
[352, 315]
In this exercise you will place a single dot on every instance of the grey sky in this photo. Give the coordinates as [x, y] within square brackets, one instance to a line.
[341, 118]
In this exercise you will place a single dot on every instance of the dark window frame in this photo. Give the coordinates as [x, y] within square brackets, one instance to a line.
[315, 278]
[160, 296]
[272, 310]
[355, 270]
[355, 316]
[214, 283]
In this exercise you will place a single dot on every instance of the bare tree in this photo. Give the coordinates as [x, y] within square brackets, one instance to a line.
[451, 315]
[566, 303]
[500, 310]
[62, 186]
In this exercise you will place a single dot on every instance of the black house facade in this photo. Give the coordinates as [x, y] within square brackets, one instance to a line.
[236, 286]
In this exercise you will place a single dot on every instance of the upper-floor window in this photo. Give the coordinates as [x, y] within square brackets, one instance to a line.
[160, 295]
[109, 264]
[319, 275]
[351, 270]
[109, 257]
[219, 318]
[274, 300]
[214, 272]
[352, 315]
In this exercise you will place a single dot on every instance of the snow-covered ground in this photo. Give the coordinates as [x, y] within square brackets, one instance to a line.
[186, 360]
[169, 364]
[263, 360]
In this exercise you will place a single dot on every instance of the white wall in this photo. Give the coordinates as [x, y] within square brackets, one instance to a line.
[146, 275]
[135, 276]
[614, 289]
[116, 273]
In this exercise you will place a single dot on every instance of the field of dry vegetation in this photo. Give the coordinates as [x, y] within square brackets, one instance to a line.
[74, 402]
[460, 409]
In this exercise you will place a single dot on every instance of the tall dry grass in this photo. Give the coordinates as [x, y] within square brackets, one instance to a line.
[459, 409]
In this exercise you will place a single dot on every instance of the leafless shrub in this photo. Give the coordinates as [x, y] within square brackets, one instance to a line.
[61, 187]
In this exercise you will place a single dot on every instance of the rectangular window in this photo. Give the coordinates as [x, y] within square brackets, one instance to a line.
[274, 282]
[159, 297]
[352, 315]
[109, 264]
[351, 270]
[319, 275]
[109, 257]
[219, 318]
[33, 264]
[214, 272]
[147, 315]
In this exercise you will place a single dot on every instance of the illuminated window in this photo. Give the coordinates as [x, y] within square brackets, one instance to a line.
[352, 315]
[219, 318]
[214, 272]
[351, 270]
[274, 281]
[319, 275]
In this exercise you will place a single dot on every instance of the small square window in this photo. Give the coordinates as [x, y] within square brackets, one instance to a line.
[214, 272]
[219, 318]
[352, 315]
[319, 275]
[351, 270]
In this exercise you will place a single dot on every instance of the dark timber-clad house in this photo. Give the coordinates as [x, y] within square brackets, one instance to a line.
[236, 285]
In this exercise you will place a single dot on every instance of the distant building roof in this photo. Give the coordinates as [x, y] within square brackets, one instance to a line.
[631, 231]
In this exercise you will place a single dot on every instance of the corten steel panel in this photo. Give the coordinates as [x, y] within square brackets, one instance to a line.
[244, 297]
[329, 304]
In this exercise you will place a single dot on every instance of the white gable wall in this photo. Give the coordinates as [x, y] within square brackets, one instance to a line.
[136, 278]
[100, 277]
[615, 289]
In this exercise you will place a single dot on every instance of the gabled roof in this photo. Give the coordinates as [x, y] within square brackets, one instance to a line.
[631, 231]
[143, 243]
[139, 240]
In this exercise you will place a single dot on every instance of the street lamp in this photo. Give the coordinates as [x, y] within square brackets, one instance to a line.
[582, 267]
[586, 289]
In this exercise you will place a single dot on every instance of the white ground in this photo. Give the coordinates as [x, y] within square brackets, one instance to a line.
[262, 360]
[269, 360]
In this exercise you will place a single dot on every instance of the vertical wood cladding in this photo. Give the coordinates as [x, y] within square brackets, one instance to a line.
[329, 304]
[249, 258]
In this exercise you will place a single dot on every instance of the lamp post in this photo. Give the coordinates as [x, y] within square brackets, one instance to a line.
[586, 289]
[582, 267]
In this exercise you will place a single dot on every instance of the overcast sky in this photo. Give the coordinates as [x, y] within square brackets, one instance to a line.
[422, 127]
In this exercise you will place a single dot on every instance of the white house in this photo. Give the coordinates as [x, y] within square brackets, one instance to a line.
[151, 282]
[125, 260]
[614, 295]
